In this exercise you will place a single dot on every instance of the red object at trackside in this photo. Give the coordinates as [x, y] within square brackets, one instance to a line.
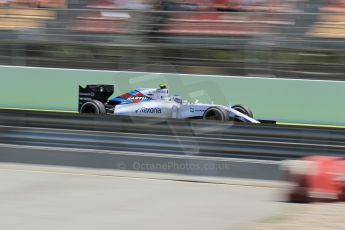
[316, 178]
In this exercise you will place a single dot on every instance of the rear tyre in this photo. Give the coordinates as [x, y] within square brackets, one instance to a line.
[243, 109]
[93, 107]
[216, 114]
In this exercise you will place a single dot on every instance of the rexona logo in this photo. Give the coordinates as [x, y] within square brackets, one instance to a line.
[149, 110]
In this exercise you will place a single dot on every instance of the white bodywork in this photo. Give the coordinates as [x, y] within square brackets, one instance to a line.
[161, 105]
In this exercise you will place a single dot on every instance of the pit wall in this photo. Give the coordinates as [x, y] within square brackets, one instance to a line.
[284, 100]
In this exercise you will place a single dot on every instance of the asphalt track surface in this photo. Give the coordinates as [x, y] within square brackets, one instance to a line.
[37, 197]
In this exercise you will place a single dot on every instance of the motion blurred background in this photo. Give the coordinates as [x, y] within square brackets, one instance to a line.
[64, 171]
[271, 38]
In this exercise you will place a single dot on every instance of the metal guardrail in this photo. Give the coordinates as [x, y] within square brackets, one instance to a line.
[178, 137]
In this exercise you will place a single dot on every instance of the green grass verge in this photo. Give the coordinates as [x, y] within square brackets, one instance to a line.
[311, 125]
[39, 110]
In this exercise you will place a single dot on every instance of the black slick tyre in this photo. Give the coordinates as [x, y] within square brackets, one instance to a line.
[243, 109]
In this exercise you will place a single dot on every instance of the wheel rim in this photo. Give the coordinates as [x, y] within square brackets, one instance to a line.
[213, 115]
[89, 109]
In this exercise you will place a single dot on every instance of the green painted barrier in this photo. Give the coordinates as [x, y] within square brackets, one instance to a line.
[285, 100]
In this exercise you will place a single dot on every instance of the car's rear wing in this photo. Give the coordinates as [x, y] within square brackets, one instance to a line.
[94, 92]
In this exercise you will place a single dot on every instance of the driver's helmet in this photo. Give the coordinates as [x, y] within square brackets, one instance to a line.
[163, 86]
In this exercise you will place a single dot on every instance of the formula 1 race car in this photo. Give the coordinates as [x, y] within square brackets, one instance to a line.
[156, 103]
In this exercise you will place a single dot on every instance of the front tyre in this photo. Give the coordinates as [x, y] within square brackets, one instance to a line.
[243, 109]
[93, 107]
[216, 114]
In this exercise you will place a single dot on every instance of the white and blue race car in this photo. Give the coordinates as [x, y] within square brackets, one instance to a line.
[155, 102]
